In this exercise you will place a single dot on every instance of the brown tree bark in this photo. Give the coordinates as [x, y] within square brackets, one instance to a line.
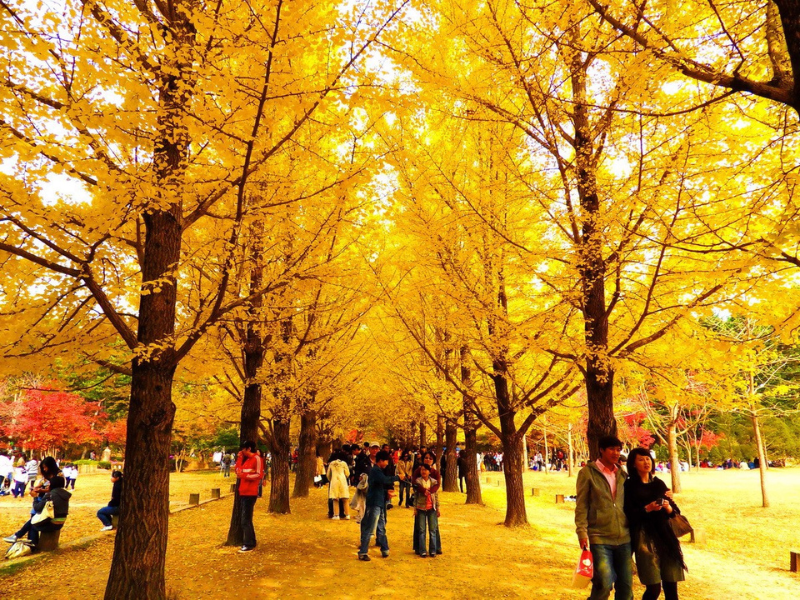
[437, 449]
[137, 566]
[516, 514]
[423, 434]
[473, 477]
[281, 450]
[254, 350]
[450, 475]
[250, 417]
[324, 447]
[307, 459]
[599, 374]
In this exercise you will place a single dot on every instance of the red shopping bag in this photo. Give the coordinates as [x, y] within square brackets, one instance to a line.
[584, 571]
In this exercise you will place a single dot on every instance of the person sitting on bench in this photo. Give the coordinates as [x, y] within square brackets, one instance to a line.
[107, 512]
[60, 498]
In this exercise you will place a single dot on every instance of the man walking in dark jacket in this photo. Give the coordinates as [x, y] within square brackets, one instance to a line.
[375, 513]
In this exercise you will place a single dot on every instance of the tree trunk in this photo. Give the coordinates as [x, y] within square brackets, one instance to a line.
[249, 420]
[546, 449]
[599, 374]
[512, 468]
[324, 447]
[439, 442]
[571, 457]
[307, 459]
[674, 459]
[697, 456]
[279, 489]
[137, 567]
[450, 475]
[473, 477]
[762, 460]
[471, 425]
[525, 463]
[423, 434]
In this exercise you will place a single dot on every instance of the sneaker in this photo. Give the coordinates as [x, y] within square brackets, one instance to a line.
[433, 555]
[107, 528]
[423, 555]
[246, 549]
[334, 518]
[346, 518]
[384, 555]
[364, 557]
[10, 539]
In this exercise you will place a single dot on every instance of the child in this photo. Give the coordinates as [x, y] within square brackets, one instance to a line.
[375, 515]
[20, 481]
[426, 505]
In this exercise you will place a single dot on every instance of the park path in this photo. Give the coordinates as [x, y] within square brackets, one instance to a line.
[305, 555]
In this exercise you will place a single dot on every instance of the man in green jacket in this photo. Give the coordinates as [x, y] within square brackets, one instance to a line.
[601, 524]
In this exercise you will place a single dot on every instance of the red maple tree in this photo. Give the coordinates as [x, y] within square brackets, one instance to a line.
[47, 419]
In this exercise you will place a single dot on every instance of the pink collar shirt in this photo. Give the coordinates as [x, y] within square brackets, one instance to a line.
[610, 475]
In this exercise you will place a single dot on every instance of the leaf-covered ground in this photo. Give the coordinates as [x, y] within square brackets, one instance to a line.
[304, 555]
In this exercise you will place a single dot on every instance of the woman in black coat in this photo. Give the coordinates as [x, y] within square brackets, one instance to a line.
[649, 508]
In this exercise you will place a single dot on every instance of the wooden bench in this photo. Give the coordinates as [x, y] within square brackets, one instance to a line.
[48, 541]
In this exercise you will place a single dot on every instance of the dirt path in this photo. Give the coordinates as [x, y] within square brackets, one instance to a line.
[304, 555]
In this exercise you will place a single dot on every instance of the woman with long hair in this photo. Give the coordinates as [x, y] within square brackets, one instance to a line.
[649, 508]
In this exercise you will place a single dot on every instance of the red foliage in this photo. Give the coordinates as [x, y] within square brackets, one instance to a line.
[710, 439]
[354, 436]
[40, 420]
[631, 430]
[116, 432]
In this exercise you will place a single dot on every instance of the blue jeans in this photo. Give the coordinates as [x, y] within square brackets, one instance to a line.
[415, 537]
[374, 518]
[248, 531]
[33, 531]
[105, 514]
[405, 488]
[612, 570]
[427, 518]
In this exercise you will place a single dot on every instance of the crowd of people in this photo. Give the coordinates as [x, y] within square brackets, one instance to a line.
[620, 512]
[48, 483]
[373, 471]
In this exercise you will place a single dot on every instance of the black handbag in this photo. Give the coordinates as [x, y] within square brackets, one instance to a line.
[680, 525]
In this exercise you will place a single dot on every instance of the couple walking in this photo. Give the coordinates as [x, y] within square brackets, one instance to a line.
[619, 514]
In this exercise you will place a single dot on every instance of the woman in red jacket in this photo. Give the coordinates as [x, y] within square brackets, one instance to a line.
[249, 471]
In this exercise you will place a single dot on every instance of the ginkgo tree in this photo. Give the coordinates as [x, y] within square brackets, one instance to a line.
[462, 285]
[154, 114]
[613, 184]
